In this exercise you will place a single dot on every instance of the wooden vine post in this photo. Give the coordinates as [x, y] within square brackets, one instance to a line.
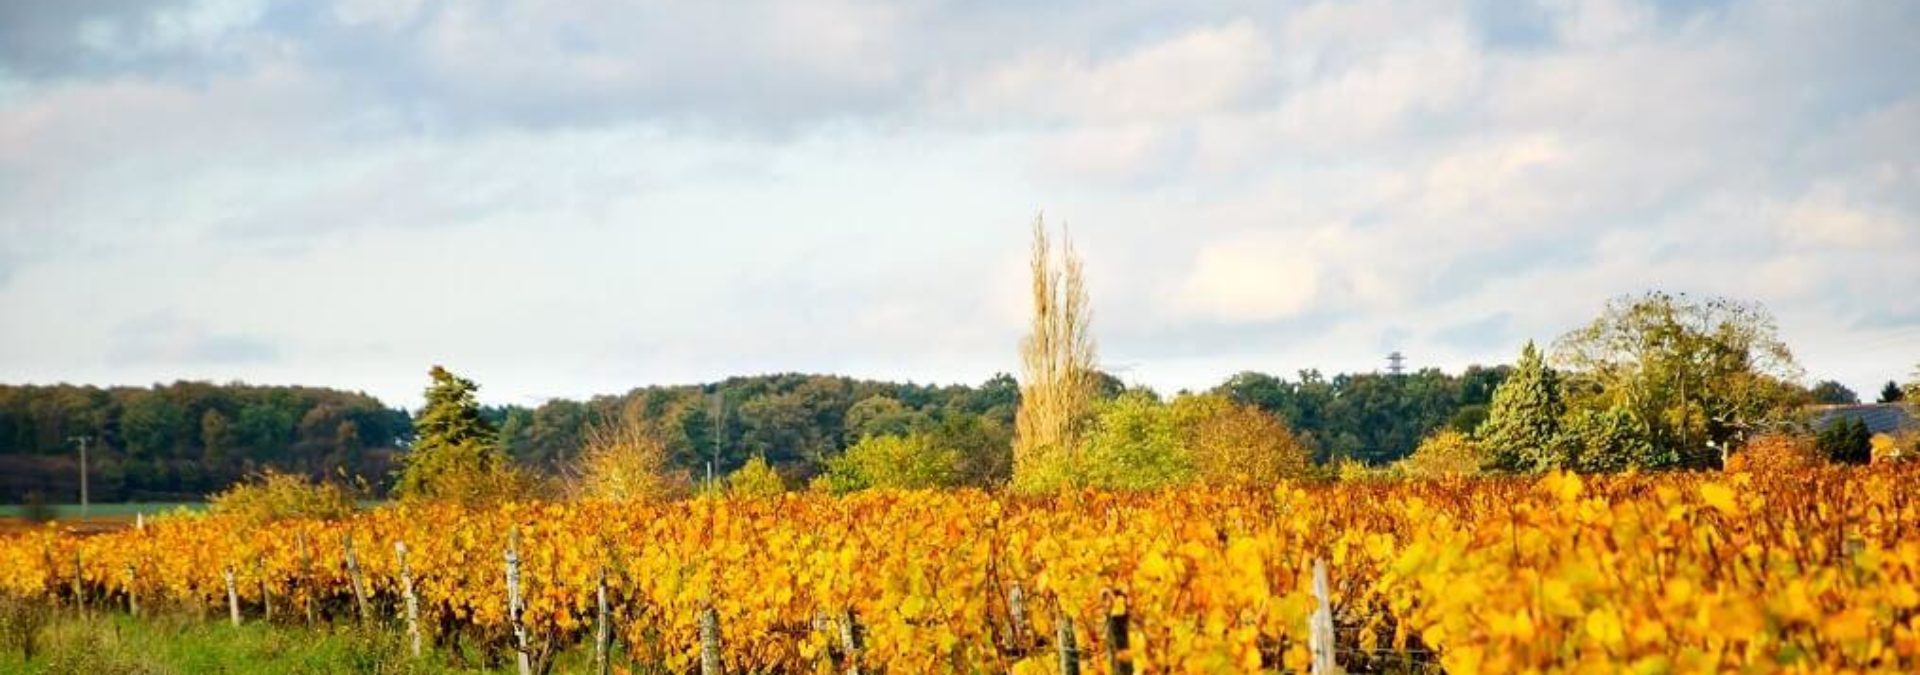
[306, 576]
[354, 578]
[79, 591]
[412, 600]
[1064, 642]
[1320, 637]
[602, 629]
[853, 639]
[266, 593]
[1017, 615]
[133, 591]
[513, 604]
[1119, 656]
[233, 596]
[710, 663]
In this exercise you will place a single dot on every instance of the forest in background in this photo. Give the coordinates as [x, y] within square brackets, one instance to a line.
[185, 440]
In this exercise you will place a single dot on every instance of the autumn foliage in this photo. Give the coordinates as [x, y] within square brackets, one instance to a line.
[1776, 452]
[1810, 569]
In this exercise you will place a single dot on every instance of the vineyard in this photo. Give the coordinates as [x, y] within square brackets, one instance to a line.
[1815, 570]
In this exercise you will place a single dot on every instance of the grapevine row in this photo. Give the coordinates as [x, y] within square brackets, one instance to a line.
[1811, 570]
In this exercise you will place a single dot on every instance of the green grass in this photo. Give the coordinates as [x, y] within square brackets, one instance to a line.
[113, 644]
[123, 509]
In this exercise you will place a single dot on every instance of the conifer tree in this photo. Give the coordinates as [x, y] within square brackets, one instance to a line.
[454, 455]
[1891, 393]
[1846, 441]
[1522, 431]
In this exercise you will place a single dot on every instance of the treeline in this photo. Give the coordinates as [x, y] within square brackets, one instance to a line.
[1654, 382]
[1374, 418]
[186, 439]
[800, 422]
[797, 422]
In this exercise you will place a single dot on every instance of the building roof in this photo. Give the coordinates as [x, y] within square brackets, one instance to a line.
[1881, 418]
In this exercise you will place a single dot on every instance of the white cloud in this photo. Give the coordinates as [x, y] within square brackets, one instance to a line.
[1827, 217]
[1590, 22]
[589, 195]
[1202, 71]
[1374, 96]
[1253, 278]
[388, 14]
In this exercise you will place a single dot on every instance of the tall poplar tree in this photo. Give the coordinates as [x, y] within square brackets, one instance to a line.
[1058, 375]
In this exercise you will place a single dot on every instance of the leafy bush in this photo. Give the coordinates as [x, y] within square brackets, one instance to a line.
[1446, 453]
[272, 495]
[1846, 442]
[35, 509]
[1348, 470]
[625, 462]
[756, 479]
[1611, 440]
[1135, 444]
[21, 621]
[1233, 444]
[1903, 447]
[908, 462]
[1776, 452]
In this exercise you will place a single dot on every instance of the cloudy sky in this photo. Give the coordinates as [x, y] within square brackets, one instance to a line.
[566, 198]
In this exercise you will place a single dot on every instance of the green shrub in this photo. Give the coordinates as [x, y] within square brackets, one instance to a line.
[756, 479]
[1135, 444]
[910, 462]
[1446, 453]
[35, 509]
[1846, 442]
[21, 621]
[271, 496]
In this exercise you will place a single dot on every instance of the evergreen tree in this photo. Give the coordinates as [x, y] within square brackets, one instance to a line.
[1846, 441]
[1522, 430]
[1892, 393]
[454, 455]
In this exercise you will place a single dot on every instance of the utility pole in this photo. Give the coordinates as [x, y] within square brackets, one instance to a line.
[83, 440]
[719, 432]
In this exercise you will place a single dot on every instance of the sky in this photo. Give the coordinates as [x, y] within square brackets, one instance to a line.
[559, 199]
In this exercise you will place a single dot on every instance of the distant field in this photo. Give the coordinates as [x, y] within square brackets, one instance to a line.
[121, 510]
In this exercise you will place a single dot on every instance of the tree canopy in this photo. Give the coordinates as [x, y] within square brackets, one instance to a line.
[1371, 417]
[1685, 379]
[187, 439]
[1829, 392]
